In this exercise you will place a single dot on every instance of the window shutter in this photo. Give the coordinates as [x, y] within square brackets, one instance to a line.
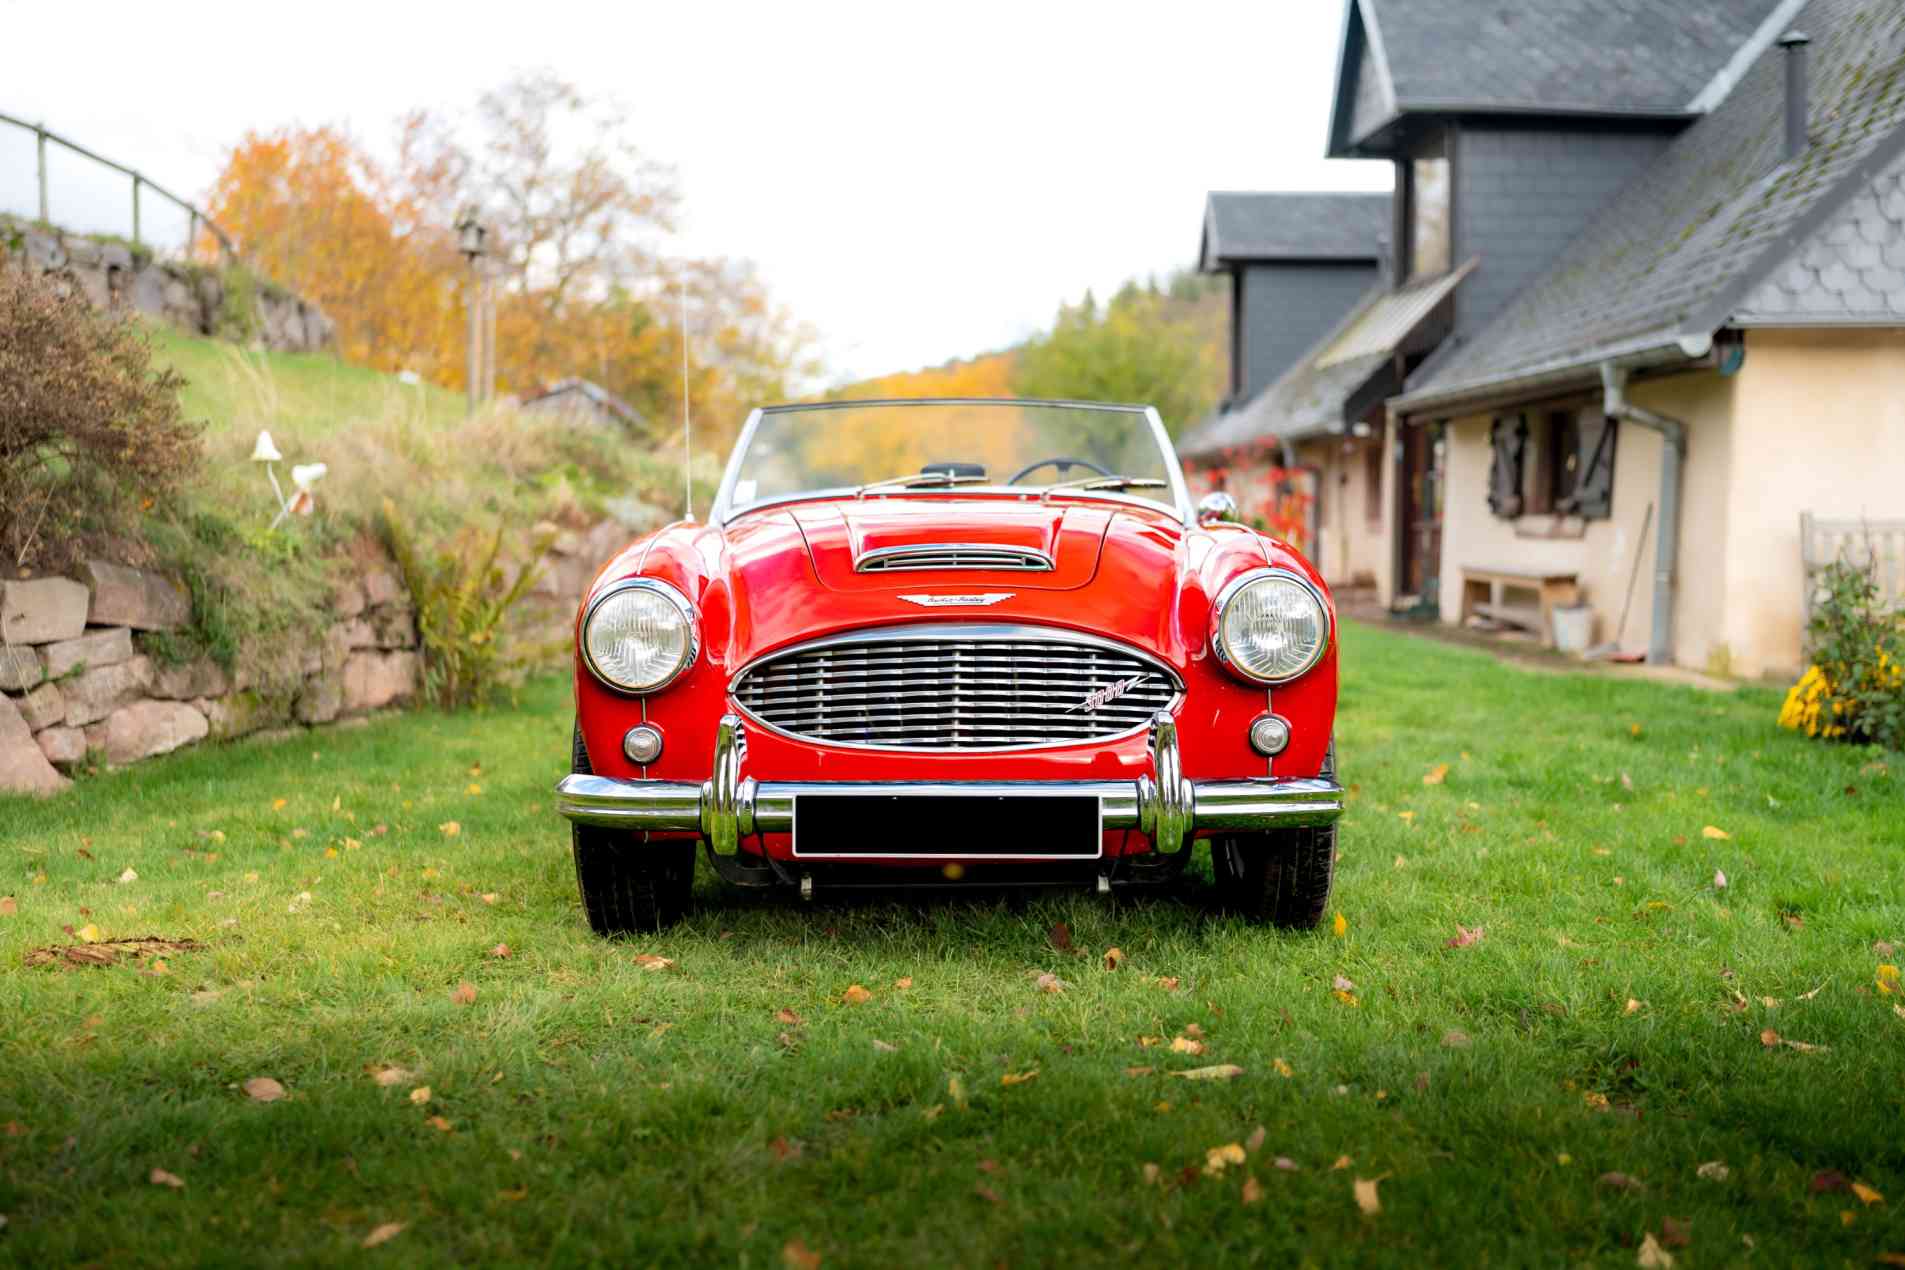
[1509, 441]
[1594, 486]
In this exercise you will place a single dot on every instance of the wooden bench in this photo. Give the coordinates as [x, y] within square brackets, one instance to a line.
[1482, 596]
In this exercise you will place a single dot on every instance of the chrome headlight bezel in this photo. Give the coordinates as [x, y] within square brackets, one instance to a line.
[655, 585]
[1235, 587]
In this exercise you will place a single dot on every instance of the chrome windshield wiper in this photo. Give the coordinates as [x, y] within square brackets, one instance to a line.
[1107, 482]
[916, 480]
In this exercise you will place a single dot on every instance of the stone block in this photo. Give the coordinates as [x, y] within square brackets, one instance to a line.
[395, 628]
[43, 707]
[135, 597]
[337, 647]
[92, 650]
[97, 693]
[381, 587]
[20, 668]
[23, 767]
[146, 728]
[190, 680]
[42, 611]
[375, 680]
[321, 699]
[239, 714]
[347, 601]
[359, 634]
[62, 747]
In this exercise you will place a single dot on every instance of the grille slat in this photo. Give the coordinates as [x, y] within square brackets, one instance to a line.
[1018, 687]
[954, 555]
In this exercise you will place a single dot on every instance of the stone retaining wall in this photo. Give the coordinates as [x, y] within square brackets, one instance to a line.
[77, 686]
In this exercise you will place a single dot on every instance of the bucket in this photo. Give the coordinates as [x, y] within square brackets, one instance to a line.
[1573, 628]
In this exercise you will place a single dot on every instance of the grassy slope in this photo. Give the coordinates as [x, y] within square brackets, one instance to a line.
[600, 1111]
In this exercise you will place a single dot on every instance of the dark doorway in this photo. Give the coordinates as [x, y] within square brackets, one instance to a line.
[1424, 460]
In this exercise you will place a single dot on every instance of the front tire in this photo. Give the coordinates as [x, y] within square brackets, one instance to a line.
[628, 886]
[1281, 879]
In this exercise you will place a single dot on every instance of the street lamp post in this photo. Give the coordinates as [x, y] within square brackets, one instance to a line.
[469, 240]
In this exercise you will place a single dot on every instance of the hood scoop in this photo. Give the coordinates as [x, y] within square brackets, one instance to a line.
[933, 556]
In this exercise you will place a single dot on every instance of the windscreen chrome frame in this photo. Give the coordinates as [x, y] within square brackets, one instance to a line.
[724, 509]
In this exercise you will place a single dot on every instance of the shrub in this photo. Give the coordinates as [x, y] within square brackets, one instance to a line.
[1855, 687]
[88, 427]
[462, 598]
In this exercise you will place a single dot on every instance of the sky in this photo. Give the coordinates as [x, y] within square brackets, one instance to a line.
[915, 182]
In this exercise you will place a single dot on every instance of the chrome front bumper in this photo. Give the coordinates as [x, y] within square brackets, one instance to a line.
[1163, 805]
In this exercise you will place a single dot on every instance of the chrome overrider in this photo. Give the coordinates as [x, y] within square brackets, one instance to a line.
[1162, 804]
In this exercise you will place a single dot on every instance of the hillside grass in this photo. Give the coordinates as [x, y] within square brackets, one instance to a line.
[1611, 1017]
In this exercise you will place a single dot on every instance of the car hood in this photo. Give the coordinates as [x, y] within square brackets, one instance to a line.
[842, 537]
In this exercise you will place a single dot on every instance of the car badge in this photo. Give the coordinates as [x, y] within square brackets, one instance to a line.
[944, 601]
[1107, 694]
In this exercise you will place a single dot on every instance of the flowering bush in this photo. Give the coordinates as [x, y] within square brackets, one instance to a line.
[1855, 688]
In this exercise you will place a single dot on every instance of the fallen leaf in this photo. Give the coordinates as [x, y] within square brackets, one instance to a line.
[903, 983]
[1713, 1171]
[383, 1234]
[1114, 958]
[1436, 775]
[1401, 863]
[788, 1017]
[1366, 1199]
[1018, 1078]
[88, 933]
[1254, 1143]
[1061, 937]
[1652, 1254]
[501, 950]
[1342, 1162]
[1217, 1159]
[1219, 1071]
[1714, 831]
[1595, 1100]
[1342, 983]
[1769, 1038]
[1627, 782]
[649, 961]
[464, 993]
[488, 897]
[1185, 1045]
[1340, 926]
[420, 1095]
[784, 1150]
[1866, 1194]
[1253, 1190]
[449, 828]
[1676, 1232]
[440, 1124]
[263, 1089]
[159, 1177]
[1285, 1163]
[932, 1112]
[1620, 1182]
[987, 1194]
[856, 995]
[7, 907]
[129, 876]
[1827, 1180]
[388, 1075]
[1884, 948]
[1455, 1039]
[1347, 998]
[1167, 982]
[1151, 1173]
[1719, 880]
[1135, 1072]
[1281, 1068]
[519, 1193]
[956, 1090]
[1632, 1007]
[1052, 983]
[1464, 936]
[1886, 978]
[885, 1047]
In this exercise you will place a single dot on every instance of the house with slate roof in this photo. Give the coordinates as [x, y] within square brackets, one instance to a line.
[1645, 309]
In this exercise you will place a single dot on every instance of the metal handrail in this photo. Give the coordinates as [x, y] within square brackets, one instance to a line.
[139, 180]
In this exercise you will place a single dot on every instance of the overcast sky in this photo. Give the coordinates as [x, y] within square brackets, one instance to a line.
[916, 181]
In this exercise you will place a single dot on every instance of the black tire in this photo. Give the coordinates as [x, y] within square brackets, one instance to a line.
[628, 887]
[1282, 879]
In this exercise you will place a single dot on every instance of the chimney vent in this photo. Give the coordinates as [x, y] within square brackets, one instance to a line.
[1795, 42]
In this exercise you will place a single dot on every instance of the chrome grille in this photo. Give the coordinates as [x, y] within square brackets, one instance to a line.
[954, 555]
[956, 687]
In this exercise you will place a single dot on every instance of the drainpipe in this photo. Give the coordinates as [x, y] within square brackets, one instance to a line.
[1673, 453]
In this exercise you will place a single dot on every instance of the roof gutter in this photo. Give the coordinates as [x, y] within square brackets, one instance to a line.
[1673, 454]
[1672, 349]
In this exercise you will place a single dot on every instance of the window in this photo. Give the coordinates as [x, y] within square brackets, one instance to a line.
[1553, 464]
[1372, 483]
[1557, 463]
[1428, 218]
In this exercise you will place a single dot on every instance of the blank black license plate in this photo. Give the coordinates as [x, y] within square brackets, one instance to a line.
[948, 826]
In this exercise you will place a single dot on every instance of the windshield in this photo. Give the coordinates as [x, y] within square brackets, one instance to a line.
[950, 446]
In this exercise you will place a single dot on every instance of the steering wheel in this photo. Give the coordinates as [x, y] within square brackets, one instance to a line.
[1064, 464]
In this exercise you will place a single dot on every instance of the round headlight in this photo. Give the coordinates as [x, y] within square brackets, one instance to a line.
[1270, 626]
[639, 635]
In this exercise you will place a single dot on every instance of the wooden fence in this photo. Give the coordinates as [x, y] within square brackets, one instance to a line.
[1877, 544]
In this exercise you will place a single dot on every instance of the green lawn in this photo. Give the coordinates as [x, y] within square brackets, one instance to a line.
[584, 1109]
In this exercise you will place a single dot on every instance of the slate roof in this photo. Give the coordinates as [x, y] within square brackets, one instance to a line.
[1687, 246]
[1852, 269]
[1312, 398]
[1648, 58]
[561, 396]
[1241, 226]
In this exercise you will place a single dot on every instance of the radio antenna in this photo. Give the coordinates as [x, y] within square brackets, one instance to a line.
[687, 434]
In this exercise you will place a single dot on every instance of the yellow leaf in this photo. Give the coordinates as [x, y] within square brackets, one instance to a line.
[88, 934]
[464, 993]
[1340, 926]
[1888, 979]
[1406, 817]
[1253, 1191]
[649, 961]
[1347, 998]
[1217, 1159]
[1436, 775]
[1366, 1198]
[383, 1234]
[419, 1095]
[1185, 1045]
[1281, 1068]
[1019, 1078]
[1633, 1007]
[159, 1177]
[1596, 1101]
[440, 1124]
[279, 804]
[1342, 1162]
[1219, 1071]
[449, 829]
[1714, 831]
[39, 879]
[330, 853]
[263, 1089]
[474, 789]
[1866, 1194]
[799, 1256]
[1114, 957]
[1652, 1255]
[856, 995]
[903, 983]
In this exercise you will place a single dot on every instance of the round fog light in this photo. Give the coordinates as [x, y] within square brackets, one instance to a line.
[643, 743]
[1268, 735]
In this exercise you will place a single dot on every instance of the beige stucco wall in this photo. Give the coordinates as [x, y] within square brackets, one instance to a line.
[1819, 426]
[1350, 545]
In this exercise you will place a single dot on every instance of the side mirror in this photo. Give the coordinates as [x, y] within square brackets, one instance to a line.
[1215, 507]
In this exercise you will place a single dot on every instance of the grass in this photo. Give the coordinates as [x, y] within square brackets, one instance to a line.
[594, 1111]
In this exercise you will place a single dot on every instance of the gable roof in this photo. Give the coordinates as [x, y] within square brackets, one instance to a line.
[1686, 248]
[587, 390]
[1240, 227]
[1643, 59]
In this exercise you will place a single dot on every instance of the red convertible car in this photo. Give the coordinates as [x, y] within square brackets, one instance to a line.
[954, 643]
